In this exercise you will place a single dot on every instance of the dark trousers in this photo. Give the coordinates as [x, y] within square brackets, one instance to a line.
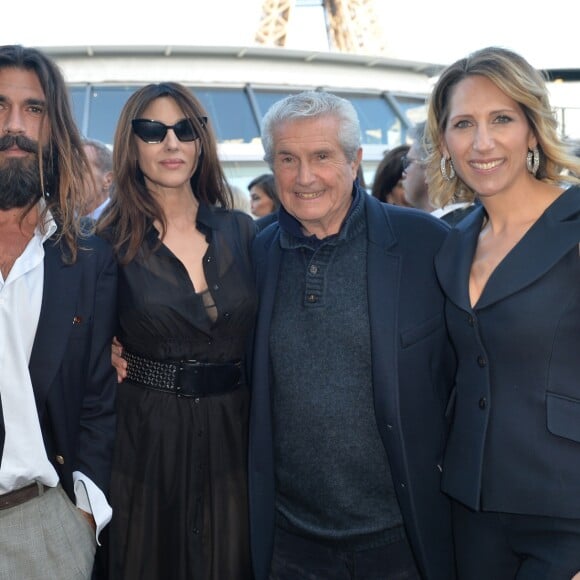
[510, 546]
[297, 558]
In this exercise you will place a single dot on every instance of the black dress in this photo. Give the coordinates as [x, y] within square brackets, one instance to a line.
[179, 485]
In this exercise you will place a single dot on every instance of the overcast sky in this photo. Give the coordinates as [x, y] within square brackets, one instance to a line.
[424, 30]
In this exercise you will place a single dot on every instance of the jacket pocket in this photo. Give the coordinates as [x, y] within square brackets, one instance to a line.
[563, 416]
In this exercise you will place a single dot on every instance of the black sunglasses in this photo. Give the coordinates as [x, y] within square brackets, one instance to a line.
[155, 131]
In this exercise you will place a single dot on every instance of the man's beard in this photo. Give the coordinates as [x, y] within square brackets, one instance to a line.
[20, 183]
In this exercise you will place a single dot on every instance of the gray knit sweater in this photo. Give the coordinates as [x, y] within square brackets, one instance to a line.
[333, 479]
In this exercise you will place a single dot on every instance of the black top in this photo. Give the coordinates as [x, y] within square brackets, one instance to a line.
[162, 316]
[179, 484]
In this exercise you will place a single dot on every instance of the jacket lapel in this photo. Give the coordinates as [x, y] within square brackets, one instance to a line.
[59, 300]
[453, 261]
[383, 273]
[556, 232]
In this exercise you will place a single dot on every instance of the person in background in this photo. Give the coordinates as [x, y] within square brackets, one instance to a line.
[187, 304]
[414, 180]
[511, 272]
[263, 196]
[58, 309]
[351, 367]
[388, 182]
[264, 200]
[416, 186]
[101, 163]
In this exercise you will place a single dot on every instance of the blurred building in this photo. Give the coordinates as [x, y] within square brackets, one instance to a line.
[238, 84]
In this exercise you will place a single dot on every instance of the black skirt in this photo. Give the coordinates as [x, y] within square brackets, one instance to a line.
[179, 487]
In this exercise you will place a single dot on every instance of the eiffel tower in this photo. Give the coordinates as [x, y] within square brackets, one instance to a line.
[352, 25]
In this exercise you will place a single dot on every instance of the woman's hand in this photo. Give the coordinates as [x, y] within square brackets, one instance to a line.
[117, 360]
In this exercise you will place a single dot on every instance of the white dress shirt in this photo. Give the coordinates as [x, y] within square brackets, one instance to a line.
[24, 458]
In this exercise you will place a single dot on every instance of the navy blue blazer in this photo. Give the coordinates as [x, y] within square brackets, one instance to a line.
[70, 365]
[412, 366]
[514, 444]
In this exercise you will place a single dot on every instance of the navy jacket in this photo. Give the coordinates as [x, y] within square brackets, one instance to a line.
[515, 440]
[70, 365]
[412, 366]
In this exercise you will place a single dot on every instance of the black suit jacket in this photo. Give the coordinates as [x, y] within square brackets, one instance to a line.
[70, 365]
[412, 366]
[515, 441]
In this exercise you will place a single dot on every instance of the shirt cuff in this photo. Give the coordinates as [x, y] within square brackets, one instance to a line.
[92, 500]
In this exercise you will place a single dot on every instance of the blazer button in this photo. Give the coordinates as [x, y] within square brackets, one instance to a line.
[481, 361]
[471, 320]
[60, 459]
[482, 403]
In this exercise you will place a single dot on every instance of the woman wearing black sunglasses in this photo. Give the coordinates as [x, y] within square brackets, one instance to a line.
[187, 305]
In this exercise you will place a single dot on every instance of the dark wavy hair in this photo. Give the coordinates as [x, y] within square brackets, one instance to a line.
[267, 183]
[133, 207]
[389, 172]
[63, 186]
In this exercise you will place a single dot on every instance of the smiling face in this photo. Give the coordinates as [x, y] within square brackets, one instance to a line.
[313, 176]
[487, 136]
[171, 163]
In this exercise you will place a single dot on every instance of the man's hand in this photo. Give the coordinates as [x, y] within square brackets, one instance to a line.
[118, 361]
[89, 517]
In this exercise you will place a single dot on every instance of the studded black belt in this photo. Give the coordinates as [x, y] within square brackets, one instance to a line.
[186, 378]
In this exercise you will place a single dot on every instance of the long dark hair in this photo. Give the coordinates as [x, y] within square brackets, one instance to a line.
[133, 207]
[267, 183]
[63, 186]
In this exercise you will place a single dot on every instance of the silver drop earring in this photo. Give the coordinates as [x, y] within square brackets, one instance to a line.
[447, 176]
[533, 160]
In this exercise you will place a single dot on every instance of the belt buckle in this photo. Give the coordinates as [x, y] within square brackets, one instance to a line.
[186, 378]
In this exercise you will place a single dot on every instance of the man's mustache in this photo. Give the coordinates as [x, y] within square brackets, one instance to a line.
[22, 142]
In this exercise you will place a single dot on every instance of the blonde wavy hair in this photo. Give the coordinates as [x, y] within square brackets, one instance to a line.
[515, 77]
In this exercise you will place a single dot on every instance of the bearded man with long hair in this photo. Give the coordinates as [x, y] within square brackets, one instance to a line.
[57, 318]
